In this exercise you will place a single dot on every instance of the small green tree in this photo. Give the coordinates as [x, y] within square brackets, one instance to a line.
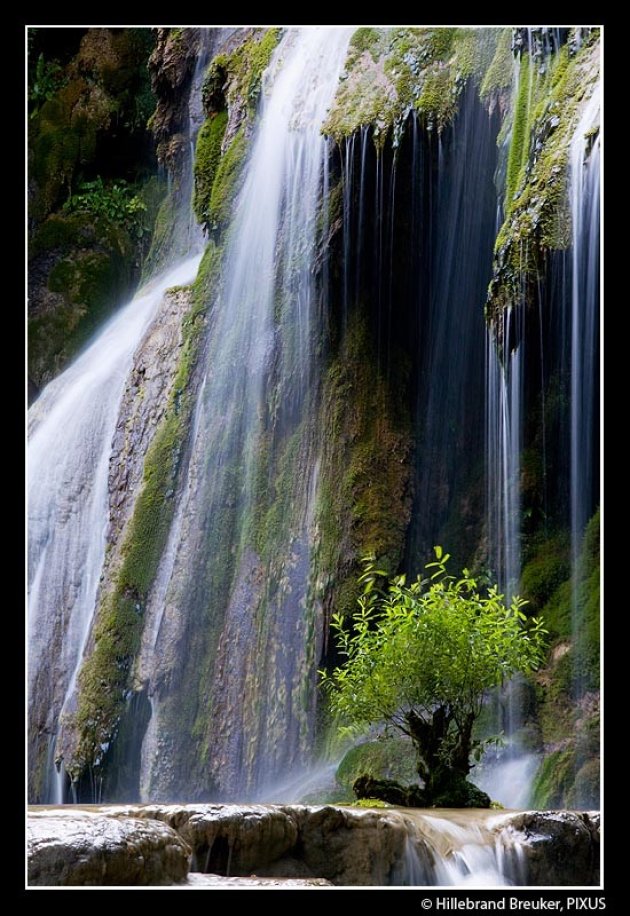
[422, 657]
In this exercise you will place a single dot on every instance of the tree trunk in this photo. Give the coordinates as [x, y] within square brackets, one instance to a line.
[460, 759]
[427, 738]
[444, 775]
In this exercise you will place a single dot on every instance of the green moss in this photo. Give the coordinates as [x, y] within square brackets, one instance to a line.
[436, 99]
[99, 85]
[366, 39]
[568, 686]
[227, 182]
[546, 113]
[521, 128]
[207, 156]
[498, 77]
[390, 758]
[370, 803]
[90, 283]
[274, 492]
[364, 501]
[59, 141]
[88, 260]
[546, 569]
[61, 232]
[105, 674]
[240, 72]
[585, 791]
[554, 778]
[163, 241]
[583, 592]
[557, 611]
[391, 71]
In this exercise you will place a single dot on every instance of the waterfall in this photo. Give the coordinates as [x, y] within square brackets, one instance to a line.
[573, 354]
[584, 202]
[454, 220]
[504, 441]
[460, 849]
[72, 425]
[250, 612]
[71, 428]
[348, 282]
[508, 779]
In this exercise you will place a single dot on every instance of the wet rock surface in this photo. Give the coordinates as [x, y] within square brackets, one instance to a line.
[143, 404]
[562, 847]
[195, 879]
[294, 845]
[69, 847]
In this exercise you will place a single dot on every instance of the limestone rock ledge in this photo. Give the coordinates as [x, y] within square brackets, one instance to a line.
[73, 847]
[300, 846]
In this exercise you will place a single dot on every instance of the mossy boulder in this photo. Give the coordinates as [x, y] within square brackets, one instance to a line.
[388, 790]
[457, 792]
[391, 758]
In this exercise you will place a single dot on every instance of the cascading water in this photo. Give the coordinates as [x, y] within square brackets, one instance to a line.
[509, 778]
[260, 378]
[71, 429]
[233, 625]
[449, 287]
[573, 356]
[584, 202]
[504, 441]
[460, 849]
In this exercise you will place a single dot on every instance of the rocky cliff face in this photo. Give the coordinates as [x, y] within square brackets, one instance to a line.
[538, 83]
[407, 101]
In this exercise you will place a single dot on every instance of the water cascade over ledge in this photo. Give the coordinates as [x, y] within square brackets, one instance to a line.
[369, 324]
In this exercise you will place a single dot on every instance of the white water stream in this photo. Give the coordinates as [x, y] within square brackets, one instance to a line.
[71, 429]
[261, 345]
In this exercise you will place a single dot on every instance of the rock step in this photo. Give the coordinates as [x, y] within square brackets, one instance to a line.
[299, 845]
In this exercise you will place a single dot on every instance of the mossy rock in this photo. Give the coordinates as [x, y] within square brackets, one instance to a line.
[80, 265]
[545, 570]
[585, 791]
[234, 79]
[368, 788]
[391, 758]
[460, 793]
[107, 80]
[207, 156]
[86, 284]
[61, 233]
[364, 502]
[554, 779]
[454, 792]
[390, 72]
[226, 183]
[568, 687]
[541, 125]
